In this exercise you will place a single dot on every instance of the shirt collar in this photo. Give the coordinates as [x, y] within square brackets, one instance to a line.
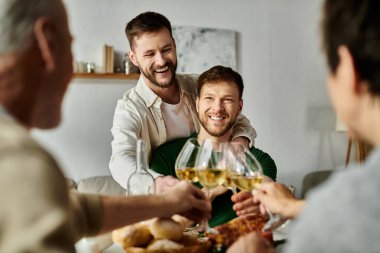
[145, 92]
[149, 96]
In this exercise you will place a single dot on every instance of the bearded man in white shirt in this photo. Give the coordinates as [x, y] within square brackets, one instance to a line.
[162, 105]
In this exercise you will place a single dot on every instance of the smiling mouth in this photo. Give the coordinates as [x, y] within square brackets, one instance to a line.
[162, 70]
[217, 118]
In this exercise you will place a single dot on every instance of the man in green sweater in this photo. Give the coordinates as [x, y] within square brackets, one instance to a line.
[219, 102]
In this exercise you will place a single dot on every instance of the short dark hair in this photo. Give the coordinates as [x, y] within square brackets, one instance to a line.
[220, 73]
[146, 22]
[356, 25]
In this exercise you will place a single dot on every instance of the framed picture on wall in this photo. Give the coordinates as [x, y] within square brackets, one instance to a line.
[199, 48]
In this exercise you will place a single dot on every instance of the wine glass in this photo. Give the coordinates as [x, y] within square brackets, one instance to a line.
[247, 174]
[211, 168]
[185, 163]
[230, 165]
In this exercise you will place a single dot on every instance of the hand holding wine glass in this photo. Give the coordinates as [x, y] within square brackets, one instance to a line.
[279, 199]
[247, 174]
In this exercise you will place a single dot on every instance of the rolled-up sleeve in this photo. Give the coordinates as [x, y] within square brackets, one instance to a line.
[243, 128]
[86, 214]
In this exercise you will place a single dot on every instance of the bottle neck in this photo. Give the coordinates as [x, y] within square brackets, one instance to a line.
[141, 158]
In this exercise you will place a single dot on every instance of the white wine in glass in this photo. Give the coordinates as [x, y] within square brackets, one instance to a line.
[247, 183]
[211, 168]
[212, 177]
[187, 174]
[245, 171]
[230, 163]
[185, 163]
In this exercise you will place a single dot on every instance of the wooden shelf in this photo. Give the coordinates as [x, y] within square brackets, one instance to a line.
[106, 76]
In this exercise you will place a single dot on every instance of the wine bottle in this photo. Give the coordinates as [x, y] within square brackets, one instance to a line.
[141, 182]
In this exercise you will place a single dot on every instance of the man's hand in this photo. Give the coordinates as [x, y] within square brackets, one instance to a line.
[214, 192]
[165, 183]
[243, 141]
[278, 199]
[251, 243]
[244, 203]
[188, 201]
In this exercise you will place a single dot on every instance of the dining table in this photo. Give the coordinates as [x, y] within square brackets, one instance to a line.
[104, 244]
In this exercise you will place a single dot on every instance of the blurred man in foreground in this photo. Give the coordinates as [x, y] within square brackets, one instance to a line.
[343, 215]
[38, 214]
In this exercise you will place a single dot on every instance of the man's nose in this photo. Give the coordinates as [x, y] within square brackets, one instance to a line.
[160, 59]
[218, 105]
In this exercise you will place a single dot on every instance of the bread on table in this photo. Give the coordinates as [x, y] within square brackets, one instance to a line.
[164, 244]
[135, 235]
[183, 221]
[158, 235]
[166, 229]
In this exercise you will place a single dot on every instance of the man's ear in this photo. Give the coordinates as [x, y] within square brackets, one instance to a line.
[132, 57]
[197, 103]
[45, 32]
[240, 105]
[347, 69]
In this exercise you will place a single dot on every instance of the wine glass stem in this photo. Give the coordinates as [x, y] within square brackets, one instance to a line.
[204, 224]
[269, 213]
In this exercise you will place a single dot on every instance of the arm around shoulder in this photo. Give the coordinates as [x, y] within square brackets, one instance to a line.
[243, 128]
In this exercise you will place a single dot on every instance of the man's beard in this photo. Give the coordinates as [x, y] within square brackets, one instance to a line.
[219, 133]
[150, 75]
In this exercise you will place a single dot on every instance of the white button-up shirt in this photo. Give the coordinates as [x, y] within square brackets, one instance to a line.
[138, 115]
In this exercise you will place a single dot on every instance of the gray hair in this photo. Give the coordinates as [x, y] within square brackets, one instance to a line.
[17, 18]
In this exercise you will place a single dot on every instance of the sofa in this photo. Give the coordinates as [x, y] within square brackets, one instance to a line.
[104, 185]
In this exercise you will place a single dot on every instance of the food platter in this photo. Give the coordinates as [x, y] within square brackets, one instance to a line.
[162, 236]
[232, 230]
[191, 245]
[159, 236]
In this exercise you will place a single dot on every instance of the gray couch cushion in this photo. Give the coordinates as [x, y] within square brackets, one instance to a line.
[104, 185]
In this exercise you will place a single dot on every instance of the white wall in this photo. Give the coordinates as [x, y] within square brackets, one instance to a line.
[279, 58]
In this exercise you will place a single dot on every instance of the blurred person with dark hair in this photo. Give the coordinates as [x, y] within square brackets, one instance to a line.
[343, 215]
